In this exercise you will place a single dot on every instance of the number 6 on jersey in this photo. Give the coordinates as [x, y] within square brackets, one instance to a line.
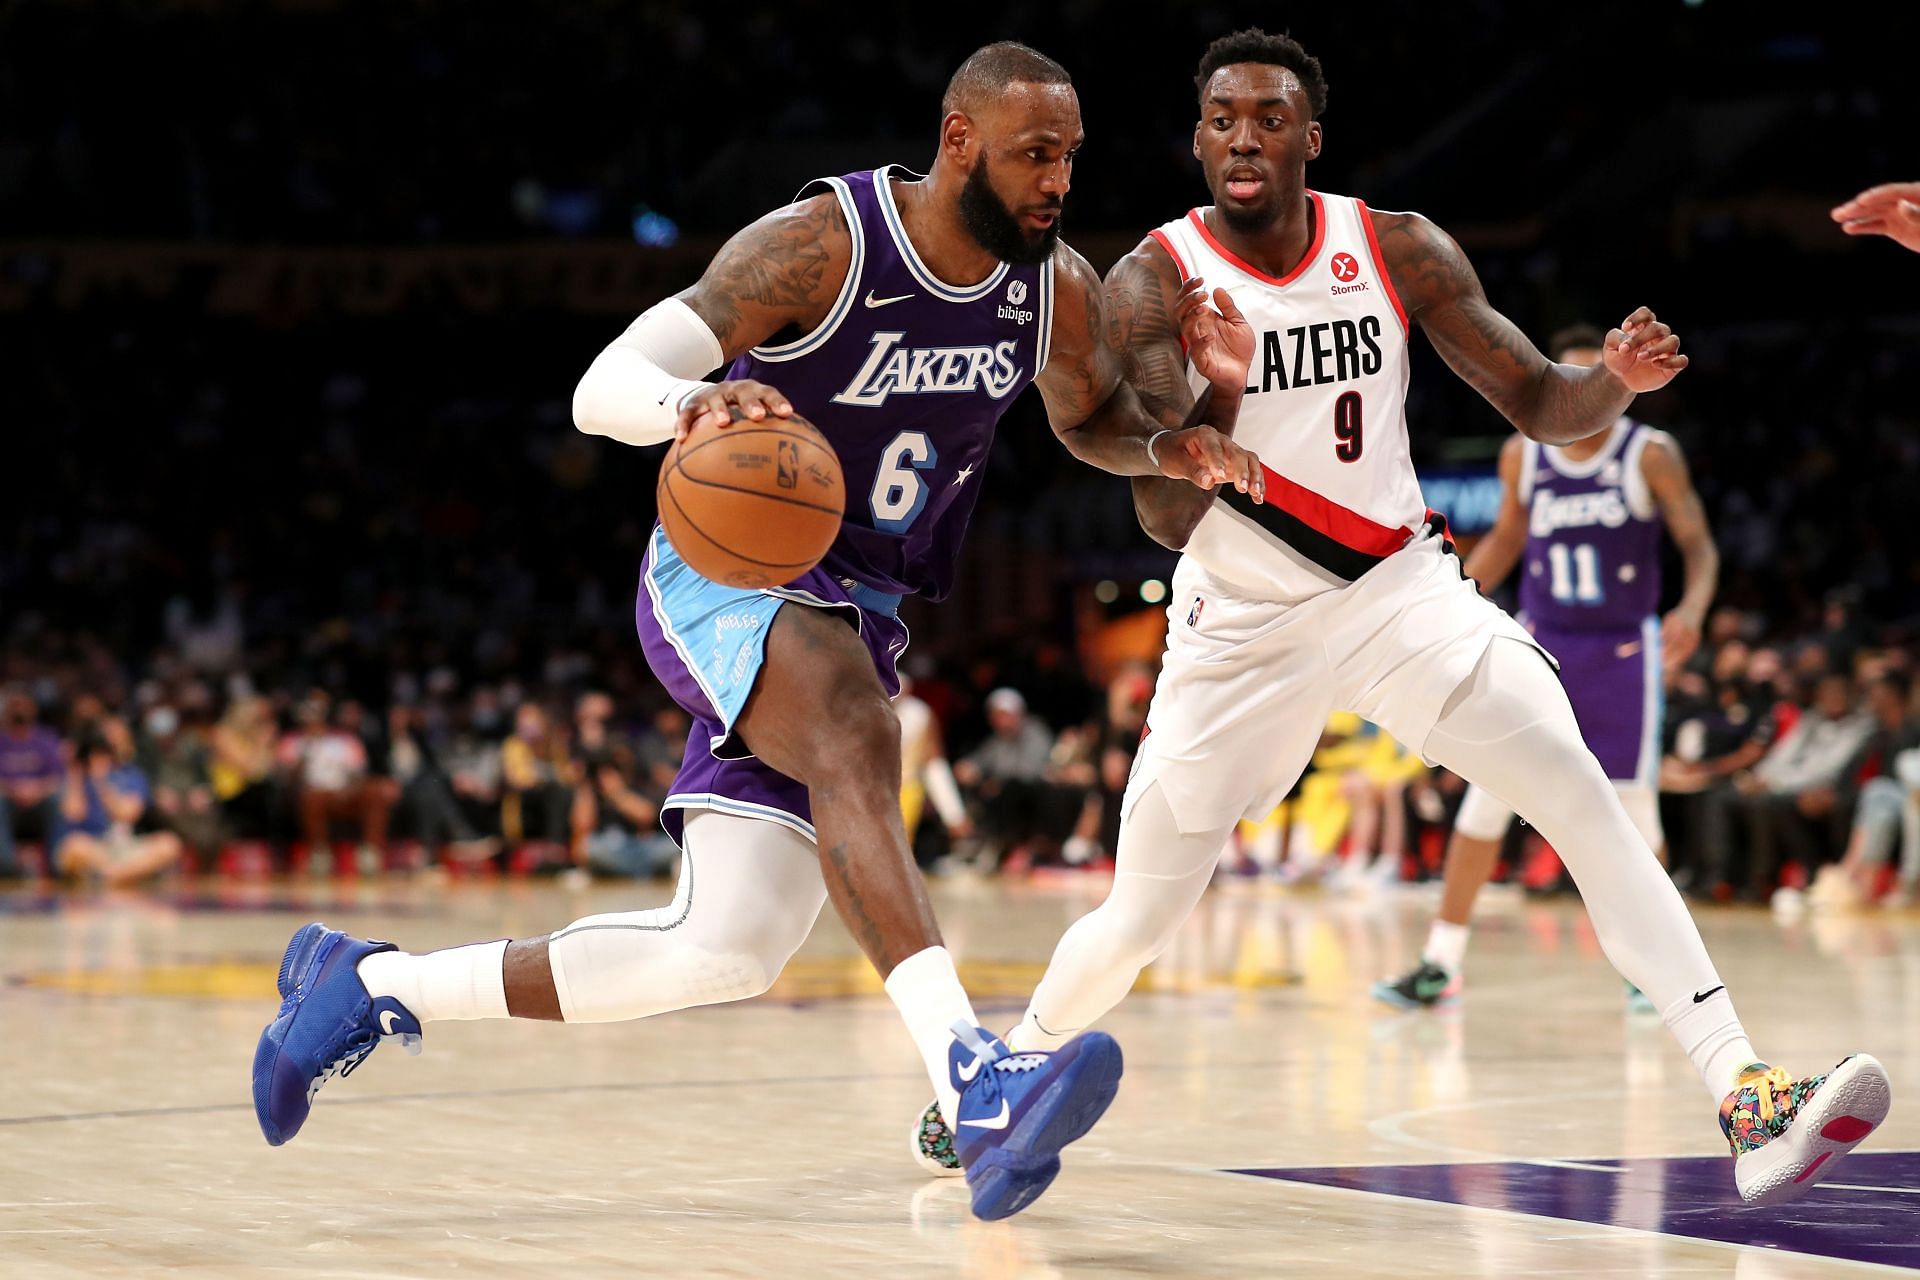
[899, 490]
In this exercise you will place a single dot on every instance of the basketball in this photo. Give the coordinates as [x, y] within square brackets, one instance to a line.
[752, 504]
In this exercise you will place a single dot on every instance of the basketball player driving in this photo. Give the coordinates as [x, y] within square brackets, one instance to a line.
[901, 315]
[1342, 593]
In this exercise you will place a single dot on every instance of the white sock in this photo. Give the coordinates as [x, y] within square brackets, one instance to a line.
[1711, 1033]
[460, 984]
[927, 991]
[1447, 946]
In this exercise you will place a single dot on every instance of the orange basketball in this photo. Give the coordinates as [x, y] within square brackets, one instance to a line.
[754, 504]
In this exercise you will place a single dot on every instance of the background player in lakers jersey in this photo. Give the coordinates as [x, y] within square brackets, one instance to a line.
[1342, 593]
[1586, 519]
[901, 315]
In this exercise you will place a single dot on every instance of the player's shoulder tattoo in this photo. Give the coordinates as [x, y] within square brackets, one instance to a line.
[786, 267]
[1426, 264]
[1139, 290]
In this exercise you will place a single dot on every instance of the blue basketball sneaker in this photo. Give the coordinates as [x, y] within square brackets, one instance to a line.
[1017, 1110]
[327, 1025]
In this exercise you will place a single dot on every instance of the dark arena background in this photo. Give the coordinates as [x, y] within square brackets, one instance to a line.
[297, 530]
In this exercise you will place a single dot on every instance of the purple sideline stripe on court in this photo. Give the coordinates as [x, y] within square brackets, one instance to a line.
[1687, 1196]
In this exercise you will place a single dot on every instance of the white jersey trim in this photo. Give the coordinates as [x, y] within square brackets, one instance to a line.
[849, 288]
[939, 288]
[1563, 465]
[1640, 499]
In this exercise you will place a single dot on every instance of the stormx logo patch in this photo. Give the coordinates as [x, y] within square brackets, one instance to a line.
[891, 369]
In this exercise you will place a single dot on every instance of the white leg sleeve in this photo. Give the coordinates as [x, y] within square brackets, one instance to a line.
[749, 894]
[1482, 817]
[1642, 804]
[1159, 874]
[1510, 729]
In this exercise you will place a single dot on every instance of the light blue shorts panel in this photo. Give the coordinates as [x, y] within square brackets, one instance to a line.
[717, 635]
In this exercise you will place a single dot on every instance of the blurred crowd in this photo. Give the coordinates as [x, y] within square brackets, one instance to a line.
[1791, 773]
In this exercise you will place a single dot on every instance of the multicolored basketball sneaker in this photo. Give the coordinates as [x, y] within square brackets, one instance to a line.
[1788, 1134]
[932, 1144]
[1422, 988]
[1017, 1110]
[327, 1025]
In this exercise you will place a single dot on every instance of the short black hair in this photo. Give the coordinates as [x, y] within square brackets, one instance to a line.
[988, 72]
[1255, 45]
[1574, 335]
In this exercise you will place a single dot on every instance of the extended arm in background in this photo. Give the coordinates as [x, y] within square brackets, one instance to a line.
[782, 271]
[1548, 402]
[1496, 553]
[1665, 470]
[1099, 417]
[1891, 210]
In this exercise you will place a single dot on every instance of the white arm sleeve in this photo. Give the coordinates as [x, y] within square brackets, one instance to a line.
[633, 390]
[942, 791]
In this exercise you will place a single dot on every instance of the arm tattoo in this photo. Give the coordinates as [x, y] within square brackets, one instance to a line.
[782, 270]
[1141, 325]
[1170, 510]
[1552, 403]
[1082, 371]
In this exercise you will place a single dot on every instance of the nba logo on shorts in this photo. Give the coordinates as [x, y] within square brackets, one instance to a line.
[1193, 614]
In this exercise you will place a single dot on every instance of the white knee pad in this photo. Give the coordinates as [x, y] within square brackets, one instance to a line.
[1482, 817]
[1642, 804]
[749, 893]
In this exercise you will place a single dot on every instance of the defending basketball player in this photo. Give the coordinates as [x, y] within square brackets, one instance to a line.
[901, 315]
[1586, 517]
[1343, 592]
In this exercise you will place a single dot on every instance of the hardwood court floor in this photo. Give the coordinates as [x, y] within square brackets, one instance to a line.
[1535, 1129]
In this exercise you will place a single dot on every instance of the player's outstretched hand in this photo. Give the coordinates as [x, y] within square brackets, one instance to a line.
[729, 402]
[1643, 352]
[1202, 456]
[1218, 339]
[1891, 210]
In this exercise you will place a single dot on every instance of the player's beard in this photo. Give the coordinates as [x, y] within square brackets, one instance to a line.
[1245, 220]
[995, 228]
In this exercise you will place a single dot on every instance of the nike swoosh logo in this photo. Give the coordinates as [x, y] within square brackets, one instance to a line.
[998, 1122]
[1698, 996]
[968, 1072]
[872, 301]
[387, 1018]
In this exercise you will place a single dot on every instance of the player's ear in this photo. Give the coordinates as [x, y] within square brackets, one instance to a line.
[956, 138]
[1313, 140]
[1196, 139]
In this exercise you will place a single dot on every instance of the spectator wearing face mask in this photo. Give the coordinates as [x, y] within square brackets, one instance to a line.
[178, 764]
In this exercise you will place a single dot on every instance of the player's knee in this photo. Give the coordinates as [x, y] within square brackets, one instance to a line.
[865, 743]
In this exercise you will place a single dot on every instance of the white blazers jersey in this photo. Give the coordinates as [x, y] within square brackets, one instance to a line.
[1325, 409]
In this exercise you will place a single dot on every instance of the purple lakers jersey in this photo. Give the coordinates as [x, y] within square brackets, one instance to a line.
[907, 377]
[1593, 536]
